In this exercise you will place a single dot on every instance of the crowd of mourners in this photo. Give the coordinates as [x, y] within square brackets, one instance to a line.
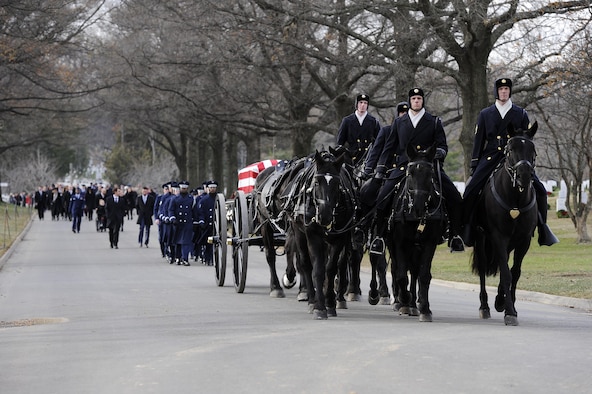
[184, 217]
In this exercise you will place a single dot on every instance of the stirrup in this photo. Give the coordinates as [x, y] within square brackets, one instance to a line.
[377, 246]
[456, 244]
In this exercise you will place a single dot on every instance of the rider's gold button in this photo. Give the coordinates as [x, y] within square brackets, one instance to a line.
[488, 157]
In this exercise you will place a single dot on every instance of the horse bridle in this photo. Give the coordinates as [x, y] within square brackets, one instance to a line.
[407, 192]
[512, 168]
[310, 190]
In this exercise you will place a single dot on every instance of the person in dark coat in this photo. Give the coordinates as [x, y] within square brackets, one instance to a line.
[358, 130]
[90, 200]
[370, 188]
[40, 200]
[115, 212]
[488, 151]
[422, 129]
[76, 206]
[145, 209]
[205, 220]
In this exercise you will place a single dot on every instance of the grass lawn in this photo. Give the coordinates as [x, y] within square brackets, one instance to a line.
[13, 221]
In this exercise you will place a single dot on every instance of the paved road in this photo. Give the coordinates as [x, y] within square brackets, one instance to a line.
[79, 317]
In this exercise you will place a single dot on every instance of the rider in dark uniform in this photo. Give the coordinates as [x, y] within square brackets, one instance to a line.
[358, 130]
[421, 129]
[488, 151]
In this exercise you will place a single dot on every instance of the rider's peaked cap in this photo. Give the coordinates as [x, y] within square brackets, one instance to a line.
[502, 82]
[184, 185]
[416, 92]
[361, 97]
[403, 106]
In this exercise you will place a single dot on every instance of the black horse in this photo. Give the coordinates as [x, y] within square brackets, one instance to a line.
[505, 217]
[416, 225]
[312, 211]
[270, 220]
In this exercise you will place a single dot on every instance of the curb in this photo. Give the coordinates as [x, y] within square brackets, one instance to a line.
[524, 295]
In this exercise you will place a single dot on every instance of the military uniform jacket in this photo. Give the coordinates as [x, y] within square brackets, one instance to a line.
[205, 209]
[429, 130]
[181, 215]
[376, 150]
[357, 137]
[490, 133]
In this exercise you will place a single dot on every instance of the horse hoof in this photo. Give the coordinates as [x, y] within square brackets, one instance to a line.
[373, 297]
[277, 293]
[353, 297]
[302, 297]
[484, 313]
[287, 283]
[385, 301]
[510, 320]
[499, 303]
[341, 304]
[425, 317]
[414, 311]
[404, 310]
[331, 312]
[397, 306]
[319, 314]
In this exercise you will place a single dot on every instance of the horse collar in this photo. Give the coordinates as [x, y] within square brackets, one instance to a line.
[514, 212]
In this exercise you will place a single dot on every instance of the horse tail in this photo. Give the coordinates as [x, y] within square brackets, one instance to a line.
[482, 261]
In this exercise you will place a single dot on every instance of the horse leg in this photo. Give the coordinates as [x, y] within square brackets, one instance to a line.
[511, 317]
[484, 311]
[305, 267]
[385, 297]
[316, 248]
[342, 280]
[425, 278]
[331, 274]
[504, 293]
[354, 260]
[395, 286]
[373, 295]
[276, 290]
[289, 279]
[412, 304]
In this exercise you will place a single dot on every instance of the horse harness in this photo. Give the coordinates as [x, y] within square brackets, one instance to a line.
[512, 170]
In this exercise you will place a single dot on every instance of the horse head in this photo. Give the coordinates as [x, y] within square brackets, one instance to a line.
[420, 185]
[520, 155]
[324, 187]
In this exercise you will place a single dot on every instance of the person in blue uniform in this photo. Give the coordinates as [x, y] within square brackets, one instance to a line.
[358, 130]
[158, 213]
[181, 217]
[77, 204]
[205, 220]
[488, 151]
[169, 229]
[422, 129]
